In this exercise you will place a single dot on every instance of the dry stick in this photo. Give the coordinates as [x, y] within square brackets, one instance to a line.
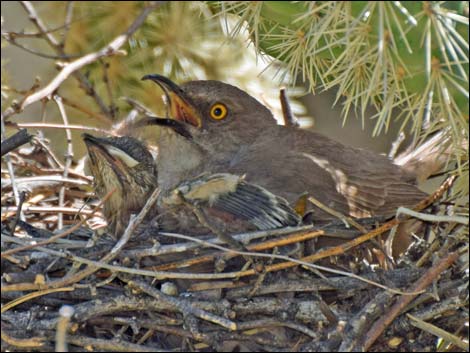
[134, 222]
[245, 238]
[13, 41]
[59, 49]
[60, 235]
[65, 315]
[67, 22]
[68, 157]
[106, 80]
[52, 179]
[396, 145]
[47, 35]
[60, 126]
[269, 244]
[182, 306]
[347, 220]
[48, 151]
[436, 331]
[381, 324]
[18, 212]
[109, 50]
[290, 263]
[47, 209]
[13, 35]
[31, 342]
[11, 171]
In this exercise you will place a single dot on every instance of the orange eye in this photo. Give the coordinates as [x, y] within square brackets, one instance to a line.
[218, 111]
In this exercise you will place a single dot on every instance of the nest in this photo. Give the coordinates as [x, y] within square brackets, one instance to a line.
[65, 282]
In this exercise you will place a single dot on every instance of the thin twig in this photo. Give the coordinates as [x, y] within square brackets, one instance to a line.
[385, 320]
[290, 260]
[430, 217]
[11, 171]
[71, 68]
[112, 106]
[18, 212]
[446, 336]
[60, 235]
[181, 305]
[346, 220]
[67, 22]
[60, 126]
[68, 156]
[396, 145]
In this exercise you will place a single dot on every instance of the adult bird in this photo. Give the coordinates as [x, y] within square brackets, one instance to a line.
[218, 128]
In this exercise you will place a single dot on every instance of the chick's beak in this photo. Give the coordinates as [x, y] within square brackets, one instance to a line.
[102, 152]
[181, 107]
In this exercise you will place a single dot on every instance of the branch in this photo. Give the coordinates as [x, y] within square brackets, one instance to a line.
[109, 50]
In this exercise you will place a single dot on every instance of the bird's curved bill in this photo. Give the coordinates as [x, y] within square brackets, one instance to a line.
[181, 107]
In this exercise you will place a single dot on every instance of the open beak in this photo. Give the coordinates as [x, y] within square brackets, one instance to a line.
[175, 125]
[181, 107]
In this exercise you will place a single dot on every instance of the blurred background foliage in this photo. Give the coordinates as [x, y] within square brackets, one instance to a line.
[406, 60]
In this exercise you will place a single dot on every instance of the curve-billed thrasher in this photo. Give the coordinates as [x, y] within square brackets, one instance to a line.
[216, 127]
[126, 165]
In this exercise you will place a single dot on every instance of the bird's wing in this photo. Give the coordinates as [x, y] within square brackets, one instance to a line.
[231, 194]
[352, 181]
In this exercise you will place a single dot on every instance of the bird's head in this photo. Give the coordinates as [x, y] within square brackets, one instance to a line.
[125, 165]
[214, 111]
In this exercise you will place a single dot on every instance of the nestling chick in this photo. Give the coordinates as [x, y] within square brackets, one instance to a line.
[126, 165]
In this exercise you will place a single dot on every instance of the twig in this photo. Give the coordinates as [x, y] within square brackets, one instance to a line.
[380, 325]
[111, 49]
[65, 314]
[15, 141]
[182, 306]
[346, 220]
[11, 171]
[60, 126]
[247, 325]
[48, 150]
[436, 331]
[14, 35]
[112, 106]
[18, 212]
[291, 239]
[431, 217]
[60, 235]
[290, 260]
[396, 145]
[242, 237]
[93, 266]
[59, 49]
[33, 16]
[49, 178]
[67, 22]
[40, 54]
[68, 156]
